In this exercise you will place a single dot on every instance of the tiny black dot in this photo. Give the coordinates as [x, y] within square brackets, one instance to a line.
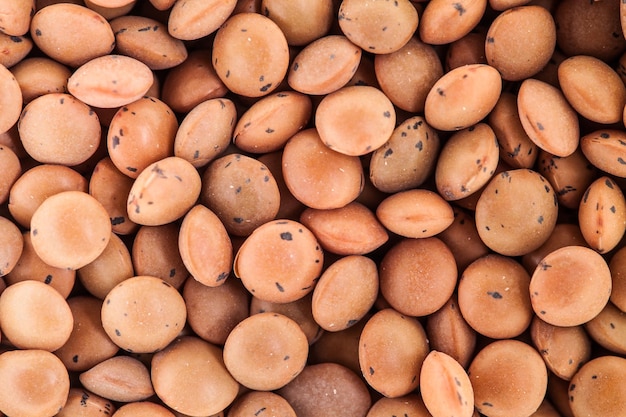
[84, 398]
[459, 8]
[117, 220]
[495, 294]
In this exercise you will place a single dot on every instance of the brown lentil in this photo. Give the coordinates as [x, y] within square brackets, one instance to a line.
[33, 374]
[494, 298]
[266, 351]
[496, 373]
[120, 378]
[580, 277]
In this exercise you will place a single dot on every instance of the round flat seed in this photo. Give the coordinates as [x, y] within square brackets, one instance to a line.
[70, 229]
[570, 286]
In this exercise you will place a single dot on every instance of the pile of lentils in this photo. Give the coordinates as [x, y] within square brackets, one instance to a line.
[357, 208]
